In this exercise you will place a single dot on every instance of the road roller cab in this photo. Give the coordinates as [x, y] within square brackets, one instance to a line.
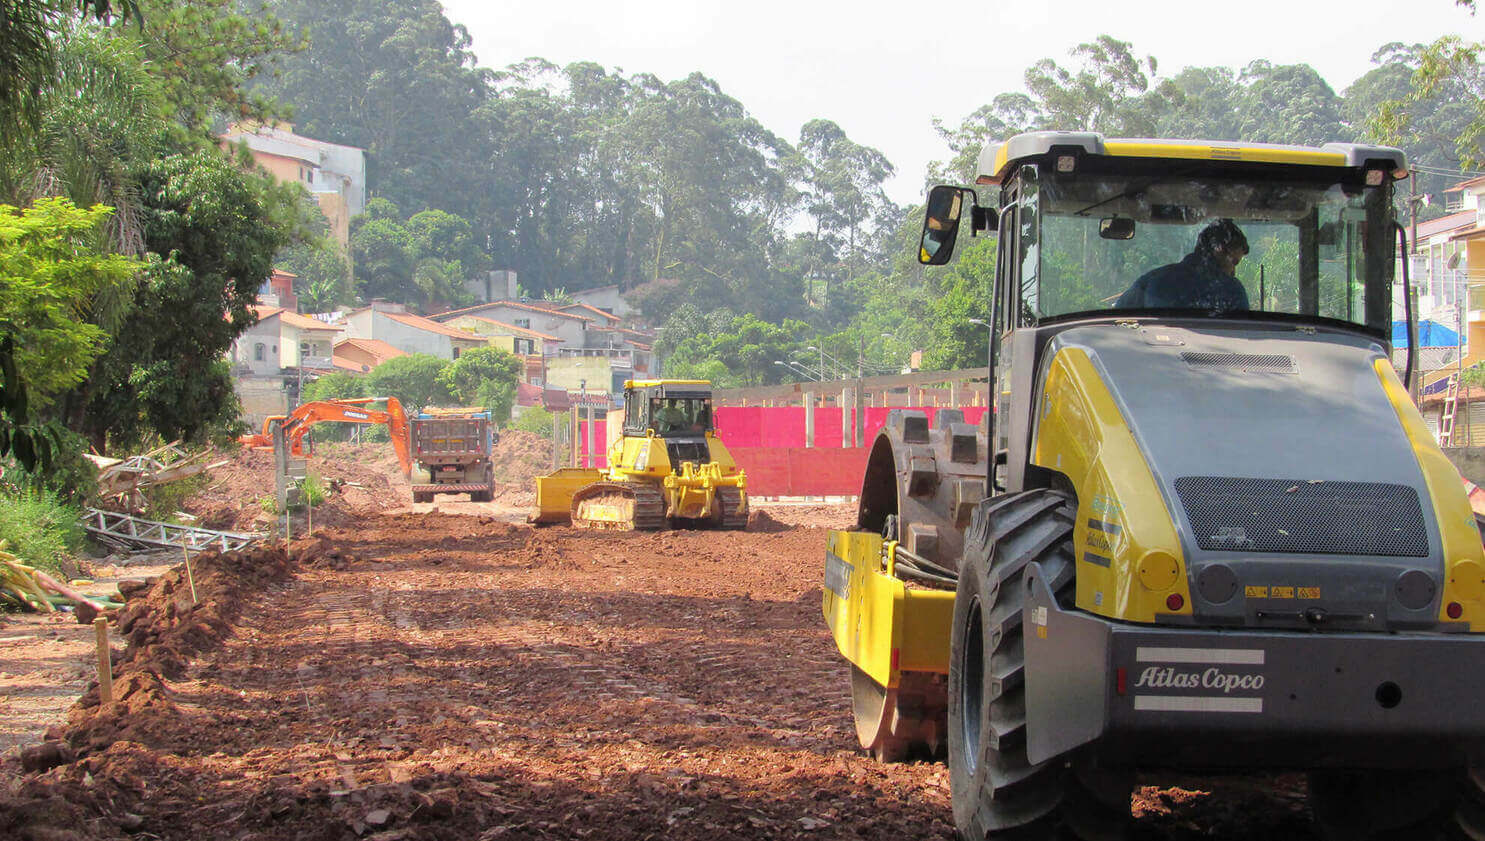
[1204, 526]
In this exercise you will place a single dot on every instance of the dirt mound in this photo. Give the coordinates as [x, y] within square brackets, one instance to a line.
[763, 521]
[163, 627]
[519, 458]
[360, 478]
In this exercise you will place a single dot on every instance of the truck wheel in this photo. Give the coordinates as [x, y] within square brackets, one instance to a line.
[997, 793]
[1387, 805]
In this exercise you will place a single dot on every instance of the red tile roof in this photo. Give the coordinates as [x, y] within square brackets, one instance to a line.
[517, 305]
[294, 319]
[376, 347]
[513, 328]
[431, 326]
[1462, 219]
[601, 313]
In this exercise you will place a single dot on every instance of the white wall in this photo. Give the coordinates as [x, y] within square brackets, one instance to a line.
[370, 324]
[265, 333]
[570, 330]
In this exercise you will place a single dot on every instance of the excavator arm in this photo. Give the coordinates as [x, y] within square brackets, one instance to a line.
[351, 410]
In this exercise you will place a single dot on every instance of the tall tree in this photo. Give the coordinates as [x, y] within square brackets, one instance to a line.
[397, 79]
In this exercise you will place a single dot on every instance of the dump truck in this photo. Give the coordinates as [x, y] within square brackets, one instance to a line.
[668, 469]
[453, 446]
[1204, 526]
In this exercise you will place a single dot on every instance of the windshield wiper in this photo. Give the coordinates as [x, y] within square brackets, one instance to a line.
[1133, 190]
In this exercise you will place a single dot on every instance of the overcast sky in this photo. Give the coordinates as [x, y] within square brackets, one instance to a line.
[883, 71]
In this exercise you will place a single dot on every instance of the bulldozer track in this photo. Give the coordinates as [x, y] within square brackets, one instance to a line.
[734, 508]
[643, 505]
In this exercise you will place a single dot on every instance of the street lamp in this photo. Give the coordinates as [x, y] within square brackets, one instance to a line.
[796, 368]
[978, 321]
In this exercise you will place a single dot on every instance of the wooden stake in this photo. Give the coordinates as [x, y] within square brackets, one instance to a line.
[190, 576]
[105, 665]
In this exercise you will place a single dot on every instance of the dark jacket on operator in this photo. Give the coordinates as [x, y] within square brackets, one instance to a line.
[1195, 283]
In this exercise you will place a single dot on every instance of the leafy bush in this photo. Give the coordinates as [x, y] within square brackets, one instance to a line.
[485, 376]
[313, 491]
[162, 502]
[413, 379]
[72, 478]
[39, 528]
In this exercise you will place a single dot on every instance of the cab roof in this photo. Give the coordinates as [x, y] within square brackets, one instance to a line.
[997, 159]
[653, 383]
[690, 389]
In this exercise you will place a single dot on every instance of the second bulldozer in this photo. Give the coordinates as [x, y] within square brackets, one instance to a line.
[668, 469]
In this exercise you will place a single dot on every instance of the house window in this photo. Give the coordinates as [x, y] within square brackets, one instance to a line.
[258, 352]
[456, 352]
[524, 323]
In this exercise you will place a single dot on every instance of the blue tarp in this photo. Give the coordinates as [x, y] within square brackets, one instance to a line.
[1430, 334]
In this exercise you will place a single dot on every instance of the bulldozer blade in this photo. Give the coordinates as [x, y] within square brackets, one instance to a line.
[554, 493]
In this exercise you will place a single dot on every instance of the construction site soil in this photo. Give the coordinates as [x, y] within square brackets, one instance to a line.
[410, 673]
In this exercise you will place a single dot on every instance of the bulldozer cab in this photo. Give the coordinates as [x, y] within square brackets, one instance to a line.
[669, 408]
[1148, 233]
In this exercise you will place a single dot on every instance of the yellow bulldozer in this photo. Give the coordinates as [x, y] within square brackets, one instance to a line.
[1205, 528]
[667, 470]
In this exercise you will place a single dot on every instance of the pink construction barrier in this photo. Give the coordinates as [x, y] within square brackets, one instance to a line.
[768, 443]
[801, 471]
[783, 426]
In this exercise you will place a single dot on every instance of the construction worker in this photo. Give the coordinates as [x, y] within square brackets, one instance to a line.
[1205, 279]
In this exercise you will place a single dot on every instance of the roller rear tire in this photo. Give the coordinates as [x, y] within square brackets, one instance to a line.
[997, 792]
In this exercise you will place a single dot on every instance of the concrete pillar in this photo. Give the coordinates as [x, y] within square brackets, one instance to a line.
[572, 431]
[860, 407]
[847, 429]
[953, 395]
[809, 419]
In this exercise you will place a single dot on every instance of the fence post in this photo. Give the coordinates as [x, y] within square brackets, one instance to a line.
[809, 419]
[572, 432]
[847, 428]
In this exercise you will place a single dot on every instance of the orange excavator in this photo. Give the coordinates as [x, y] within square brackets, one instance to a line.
[349, 410]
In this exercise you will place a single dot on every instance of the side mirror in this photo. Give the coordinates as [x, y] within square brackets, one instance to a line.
[940, 225]
[1116, 227]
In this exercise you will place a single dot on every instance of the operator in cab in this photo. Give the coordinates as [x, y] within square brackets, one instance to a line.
[1205, 279]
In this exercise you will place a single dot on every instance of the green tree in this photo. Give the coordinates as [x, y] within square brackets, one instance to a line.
[741, 355]
[1447, 76]
[206, 53]
[28, 29]
[413, 379]
[50, 272]
[323, 276]
[165, 371]
[396, 79]
[962, 293]
[485, 376]
[381, 249]
[336, 386]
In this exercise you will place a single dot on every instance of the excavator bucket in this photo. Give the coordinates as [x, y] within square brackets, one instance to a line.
[554, 493]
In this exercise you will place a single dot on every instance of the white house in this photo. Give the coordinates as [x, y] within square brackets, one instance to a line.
[391, 323]
[569, 327]
[283, 339]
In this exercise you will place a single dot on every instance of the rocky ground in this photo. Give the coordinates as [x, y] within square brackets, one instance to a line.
[410, 673]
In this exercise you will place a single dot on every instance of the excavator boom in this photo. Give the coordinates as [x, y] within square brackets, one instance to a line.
[350, 410]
